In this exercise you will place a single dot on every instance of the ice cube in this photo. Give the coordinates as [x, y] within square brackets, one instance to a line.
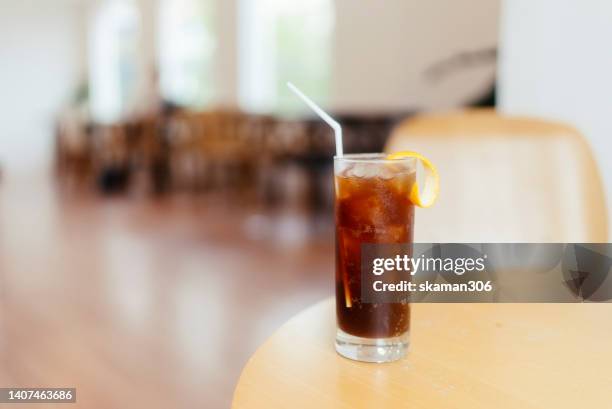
[386, 172]
[372, 171]
[347, 172]
[358, 170]
[365, 170]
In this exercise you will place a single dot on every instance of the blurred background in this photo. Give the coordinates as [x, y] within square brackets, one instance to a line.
[166, 203]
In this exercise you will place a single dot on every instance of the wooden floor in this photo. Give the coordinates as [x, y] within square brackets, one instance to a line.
[142, 303]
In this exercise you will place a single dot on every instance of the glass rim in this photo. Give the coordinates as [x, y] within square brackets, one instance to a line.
[373, 157]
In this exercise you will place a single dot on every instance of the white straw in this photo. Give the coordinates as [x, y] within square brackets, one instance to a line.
[324, 116]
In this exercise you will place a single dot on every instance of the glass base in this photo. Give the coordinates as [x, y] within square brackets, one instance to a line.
[372, 349]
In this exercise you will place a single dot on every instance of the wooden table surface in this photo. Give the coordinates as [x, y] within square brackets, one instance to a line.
[461, 356]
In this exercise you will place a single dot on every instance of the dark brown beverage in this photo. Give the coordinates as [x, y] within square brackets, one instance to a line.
[372, 206]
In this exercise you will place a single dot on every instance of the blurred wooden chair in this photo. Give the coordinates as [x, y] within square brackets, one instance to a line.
[506, 179]
[149, 153]
[224, 152]
[182, 139]
[73, 153]
[111, 159]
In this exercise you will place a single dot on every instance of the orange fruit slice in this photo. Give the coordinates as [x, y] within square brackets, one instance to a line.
[429, 194]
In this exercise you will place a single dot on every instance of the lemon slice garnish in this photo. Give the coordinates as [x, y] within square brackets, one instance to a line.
[428, 196]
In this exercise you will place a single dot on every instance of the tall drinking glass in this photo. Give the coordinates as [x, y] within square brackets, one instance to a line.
[372, 206]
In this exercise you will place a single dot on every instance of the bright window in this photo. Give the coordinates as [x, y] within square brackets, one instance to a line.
[113, 59]
[186, 47]
[282, 41]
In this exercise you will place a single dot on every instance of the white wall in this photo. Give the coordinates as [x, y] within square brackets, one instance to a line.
[556, 63]
[383, 47]
[41, 61]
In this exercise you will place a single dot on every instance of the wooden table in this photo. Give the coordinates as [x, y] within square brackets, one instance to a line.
[462, 356]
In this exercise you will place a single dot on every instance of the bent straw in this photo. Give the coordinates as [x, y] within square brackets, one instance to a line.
[324, 116]
[338, 136]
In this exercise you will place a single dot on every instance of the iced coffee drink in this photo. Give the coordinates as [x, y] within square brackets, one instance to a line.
[372, 206]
